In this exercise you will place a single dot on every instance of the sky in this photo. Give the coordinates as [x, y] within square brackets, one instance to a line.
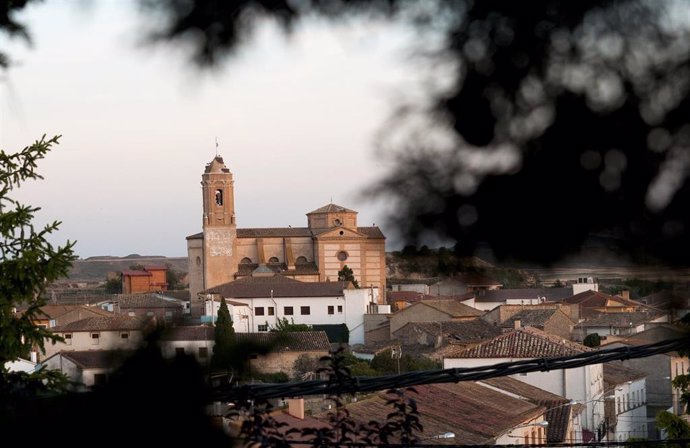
[296, 119]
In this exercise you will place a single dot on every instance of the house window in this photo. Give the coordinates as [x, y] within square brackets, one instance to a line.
[342, 255]
[203, 352]
[259, 311]
[273, 260]
[124, 335]
[304, 310]
[99, 379]
[179, 351]
[68, 338]
[168, 315]
[301, 260]
[331, 309]
[246, 260]
[95, 338]
[219, 197]
[263, 327]
[340, 309]
[288, 311]
[271, 311]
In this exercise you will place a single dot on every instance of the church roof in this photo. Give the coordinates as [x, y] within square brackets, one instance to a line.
[278, 286]
[290, 232]
[331, 208]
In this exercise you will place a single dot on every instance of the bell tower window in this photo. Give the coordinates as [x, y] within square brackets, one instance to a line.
[219, 197]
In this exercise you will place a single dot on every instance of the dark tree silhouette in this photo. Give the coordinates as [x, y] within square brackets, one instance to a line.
[563, 123]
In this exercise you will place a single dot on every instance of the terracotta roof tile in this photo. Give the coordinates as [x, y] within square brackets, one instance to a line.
[464, 331]
[145, 301]
[298, 341]
[189, 333]
[618, 320]
[502, 295]
[615, 374]
[104, 323]
[525, 342]
[331, 208]
[530, 318]
[57, 311]
[97, 359]
[278, 286]
[453, 308]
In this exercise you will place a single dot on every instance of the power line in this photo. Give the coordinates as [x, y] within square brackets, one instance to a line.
[370, 384]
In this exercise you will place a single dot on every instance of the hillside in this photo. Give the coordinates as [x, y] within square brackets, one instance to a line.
[96, 269]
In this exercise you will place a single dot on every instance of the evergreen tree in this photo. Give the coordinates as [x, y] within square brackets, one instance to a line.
[29, 262]
[346, 274]
[224, 337]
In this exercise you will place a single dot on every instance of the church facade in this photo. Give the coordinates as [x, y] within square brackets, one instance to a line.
[222, 253]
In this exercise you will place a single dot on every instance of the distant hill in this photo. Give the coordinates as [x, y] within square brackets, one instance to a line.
[96, 269]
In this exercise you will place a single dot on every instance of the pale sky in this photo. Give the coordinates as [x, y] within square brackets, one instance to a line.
[295, 118]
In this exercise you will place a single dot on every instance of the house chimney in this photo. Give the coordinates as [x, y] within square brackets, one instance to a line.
[517, 323]
[625, 294]
[296, 407]
[34, 357]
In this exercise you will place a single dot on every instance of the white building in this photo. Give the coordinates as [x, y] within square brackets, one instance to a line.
[116, 332]
[257, 303]
[197, 341]
[582, 384]
[626, 403]
[87, 368]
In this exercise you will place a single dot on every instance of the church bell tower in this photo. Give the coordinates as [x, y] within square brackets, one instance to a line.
[219, 227]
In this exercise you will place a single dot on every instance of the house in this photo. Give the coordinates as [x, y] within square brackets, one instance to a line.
[625, 403]
[165, 309]
[487, 300]
[676, 302]
[432, 311]
[88, 368]
[616, 325]
[463, 283]
[420, 286]
[116, 332]
[584, 384]
[148, 279]
[258, 302]
[466, 412]
[562, 414]
[592, 303]
[286, 348]
[191, 340]
[658, 369]
[550, 320]
[438, 334]
[22, 365]
[53, 315]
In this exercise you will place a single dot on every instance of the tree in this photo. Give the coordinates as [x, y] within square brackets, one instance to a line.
[29, 262]
[346, 275]
[592, 340]
[283, 326]
[113, 285]
[224, 337]
[675, 427]
[588, 98]
[173, 278]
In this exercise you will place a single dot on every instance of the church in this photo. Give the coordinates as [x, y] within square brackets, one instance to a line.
[222, 253]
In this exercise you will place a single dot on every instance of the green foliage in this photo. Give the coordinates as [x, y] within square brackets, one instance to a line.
[174, 278]
[276, 377]
[346, 274]
[283, 326]
[675, 427]
[114, 285]
[224, 337]
[384, 364]
[29, 262]
[592, 340]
